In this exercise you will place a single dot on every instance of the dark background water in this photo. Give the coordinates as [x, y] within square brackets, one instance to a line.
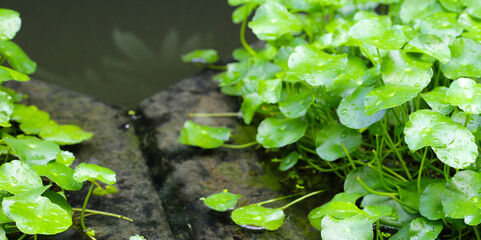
[121, 51]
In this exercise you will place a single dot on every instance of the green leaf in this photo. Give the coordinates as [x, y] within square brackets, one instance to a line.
[337, 209]
[474, 122]
[438, 101]
[353, 228]
[377, 34]
[388, 96]
[402, 234]
[242, 12]
[6, 109]
[466, 94]
[3, 235]
[383, 19]
[64, 134]
[222, 201]
[270, 90]
[443, 25]
[430, 205]
[370, 177]
[137, 237]
[315, 67]
[411, 9]
[203, 136]
[272, 20]
[330, 138]
[275, 133]
[424, 229]
[33, 150]
[17, 177]
[258, 70]
[289, 161]
[17, 58]
[398, 68]
[351, 110]
[201, 56]
[98, 191]
[473, 7]
[255, 217]
[465, 59]
[348, 80]
[84, 172]
[235, 73]
[410, 194]
[461, 197]
[431, 45]
[7, 74]
[376, 212]
[59, 174]
[400, 216]
[452, 5]
[296, 105]
[249, 106]
[65, 157]
[59, 199]
[32, 120]
[10, 23]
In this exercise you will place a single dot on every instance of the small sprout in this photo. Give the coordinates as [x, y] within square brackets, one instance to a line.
[222, 201]
[289, 161]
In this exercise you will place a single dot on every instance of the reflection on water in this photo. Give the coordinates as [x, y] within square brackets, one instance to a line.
[120, 51]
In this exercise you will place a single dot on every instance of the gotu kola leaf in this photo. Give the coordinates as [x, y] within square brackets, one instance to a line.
[398, 68]
[438, 101]
[203, 136]
[257, 217]
[17, 177]
[296, 105]
[430, 205]
[222, 201]
[272, 20]
[465, 59]
[388, 96]
[6, 109]
[33, 150]
[275, 133]
[424, 229]
[10, 23]
[375, 33]
[431, 45]
[64, 134]
[59, 174]
[332, 139]
[84, 172]
[353, 228]
[201, 56]
[351, 110]
[466, 94]
[17, 58]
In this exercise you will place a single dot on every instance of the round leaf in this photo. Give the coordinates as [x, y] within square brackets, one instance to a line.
[329, 139]
[431, 45]
[59, 174]
[398, 68]
[370, 177]
[376, 212]
[465, 59]
[84, 172]
[438, 101]
[222, 201]
[443, 25]
[17, 58]
[334, 208]
[203, 136]
[296, 105]
[33, 150]
[64, 134]
[430, 205]
[65, 157]
[424, 229]
[7, 74]
[270, 90]
[474, 122]
[249, 106]
[388, 96]
[466, 94]
[201, 56]
[275, 133]
[272, 20]
[400, 216]
[411, 9]
[17, 177]
[254, 216]
[375, 33]
[473, 7]
[354, 228]
[10, 23]
[351, 110]
[289, 161]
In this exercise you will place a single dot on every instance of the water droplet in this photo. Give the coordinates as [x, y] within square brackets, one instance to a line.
[344, 111]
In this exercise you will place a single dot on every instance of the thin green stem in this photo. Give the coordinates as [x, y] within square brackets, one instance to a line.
[446, 172]
[224, 114]
[372, 190]
[234, 146]
[84, 206]
[381, 176]
[379, 55]
[35, 237]
[403, 203]
[396, 152]
[277, 199]
[467, 120]
[103, 213]
[420, 174]
[476, 232]
[22, 237]
[301, 198]
[243, 39]
[348, 156]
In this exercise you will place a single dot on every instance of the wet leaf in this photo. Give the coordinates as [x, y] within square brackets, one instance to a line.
[6, 109]
[466, 94]
[289, 161]
[370, 177]
[258, 70]
[337, 209]
[431, 45]
[84, 172]
[275, 133]
[64, 134]
[388, 96]
[329, 139]
[461, 197]
[201, 56]
[430, 205]
[242, 12]
[17, 177]
[398, 68]
[353, 228]
[249, 106]
[270, 90]
[438, 101]
[377, 34]
[473, 7]
[411, 9]
[235, 72]
[17, 58]
[272, 20]
[137, 237]
[203, 136]
[424, 229]
[10, 23]
[376, 212]
[441, 24]
[59, 199]
[59, 174]
[7, 74]
[400, 217]
[474, 122]
[350, 79]
[402, 234]
[65, 157]
[31, 120]
[351, 110]
[33, 150]
[296, 105]
[254, 216]
[465, 59]
[222, 201]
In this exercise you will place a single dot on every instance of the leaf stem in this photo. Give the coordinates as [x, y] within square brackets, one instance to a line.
[22, 237]
[84, 206]
[224, 114]
[421, 170]
[476, 232]
[301, 198]
[467, 120]
[234, 146]
[103, 213]
[243, 40]
[403, 203]
[379, 56]
[277, 199]
[348, 156]
[372, 190]
[399, 156]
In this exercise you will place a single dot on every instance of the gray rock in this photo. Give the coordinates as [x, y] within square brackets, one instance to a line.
[115, 146]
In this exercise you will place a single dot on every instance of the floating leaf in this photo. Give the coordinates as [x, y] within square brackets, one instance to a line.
[398, 68]
[351, 110]
[337, 209]
[438, 101]
[10, 23]
[388, 96]
[222, 201]
[64, 134]
[17, 177]
[6, 109]
[370, 177]
[466, 94]
[441, 24]
[431, 45]
[201, 56]
[465, 59]
[289, 161]
[430, 205]
[330, 138]
[59, 174]
[353, 228]
[461, 196]
[275, 133]
[65, 157]
[270, 90]
[17, 58]
[377, 34]
[203, 136]
[316, 67]
[33, 150]
[296, 105]
[272, 20]
[254, 216]
[84, 172]
[424, 229]
[249, 106]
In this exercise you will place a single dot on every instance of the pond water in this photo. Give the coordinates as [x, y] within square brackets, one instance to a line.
[121, 51]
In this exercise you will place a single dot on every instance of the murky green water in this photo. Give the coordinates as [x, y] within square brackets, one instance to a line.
[120, 51]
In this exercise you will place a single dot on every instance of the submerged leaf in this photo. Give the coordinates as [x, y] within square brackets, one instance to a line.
[330, 140]
[254, 216]
[203, 136]
[274, 133]
[222, 201]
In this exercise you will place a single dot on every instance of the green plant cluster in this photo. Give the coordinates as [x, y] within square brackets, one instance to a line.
[34, 170]
[383, 93]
